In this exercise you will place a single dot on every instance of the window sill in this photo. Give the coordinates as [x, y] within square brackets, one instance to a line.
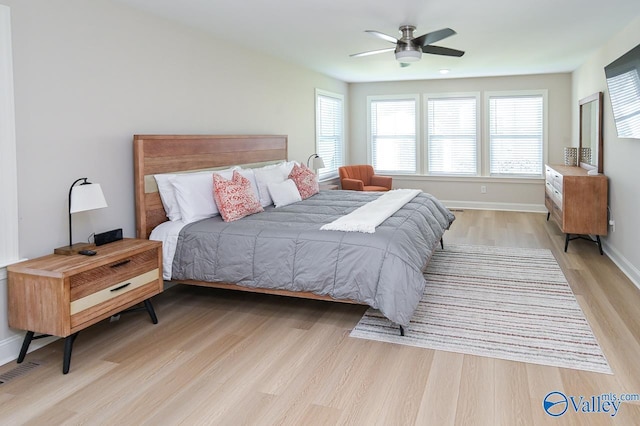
[439, 178]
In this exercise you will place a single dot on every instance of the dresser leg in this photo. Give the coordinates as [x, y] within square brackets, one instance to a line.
[566, 242]
[68, 346]
[152, 313]
[25, 345]
[599, 244]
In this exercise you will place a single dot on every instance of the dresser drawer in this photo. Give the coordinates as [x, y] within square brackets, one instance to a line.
[548, 186]
[557, 198]
[557, 215]
[548, 202]
[107, 276]
[557, 183]
[113, 297]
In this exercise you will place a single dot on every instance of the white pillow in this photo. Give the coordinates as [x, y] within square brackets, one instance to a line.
[168, 196]
[266, 175]
[194, 193]
[287, 166]
[284, 193]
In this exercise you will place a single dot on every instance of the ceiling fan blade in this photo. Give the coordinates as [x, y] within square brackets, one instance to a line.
[437, 50]
[382, 36]
[373, 52]
[433, 36]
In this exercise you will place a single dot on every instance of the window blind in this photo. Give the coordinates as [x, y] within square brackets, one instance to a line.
[393, 135]
[624, 89]
[329, 134]
[452, 136]
[516, 135]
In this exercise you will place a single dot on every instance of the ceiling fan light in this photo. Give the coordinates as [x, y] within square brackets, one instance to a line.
[408, 55]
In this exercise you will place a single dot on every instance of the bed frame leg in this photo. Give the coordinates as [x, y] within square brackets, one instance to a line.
[441, 244]
[401, 330]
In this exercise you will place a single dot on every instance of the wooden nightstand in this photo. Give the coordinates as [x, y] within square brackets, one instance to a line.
[61, 295]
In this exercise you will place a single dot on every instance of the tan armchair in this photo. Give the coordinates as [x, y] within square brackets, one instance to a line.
[363, 178]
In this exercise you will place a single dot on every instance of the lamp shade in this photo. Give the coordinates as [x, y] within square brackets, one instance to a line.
[86, 197]
[318, 163]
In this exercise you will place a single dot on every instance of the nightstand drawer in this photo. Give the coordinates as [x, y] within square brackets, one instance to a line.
[106, 277]
[120, 294]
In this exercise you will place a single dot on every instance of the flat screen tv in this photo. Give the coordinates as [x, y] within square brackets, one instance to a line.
[623, 80]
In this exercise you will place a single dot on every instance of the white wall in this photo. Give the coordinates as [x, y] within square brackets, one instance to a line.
[621, 156]
[502, 194]
[88, 75]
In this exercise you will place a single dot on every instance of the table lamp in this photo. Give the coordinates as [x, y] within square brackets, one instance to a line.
[317, 162]
[83, 197]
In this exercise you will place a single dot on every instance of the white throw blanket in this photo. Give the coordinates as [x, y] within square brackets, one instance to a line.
[372, 214]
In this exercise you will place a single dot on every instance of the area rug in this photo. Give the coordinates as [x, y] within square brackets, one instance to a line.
[507, 303]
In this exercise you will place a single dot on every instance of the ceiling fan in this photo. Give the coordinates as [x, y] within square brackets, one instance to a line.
[409, 48]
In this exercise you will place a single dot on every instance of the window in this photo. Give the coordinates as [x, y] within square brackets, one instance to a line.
[8, 173]
[329, 132]
[452, 134]
[511, 142]
[516, 134]
[624, 91]
[392, 133]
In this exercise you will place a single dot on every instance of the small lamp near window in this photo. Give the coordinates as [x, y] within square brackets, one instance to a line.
[317, 162]
[83, 197]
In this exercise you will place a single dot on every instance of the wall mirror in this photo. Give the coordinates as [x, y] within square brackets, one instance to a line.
[590, 151]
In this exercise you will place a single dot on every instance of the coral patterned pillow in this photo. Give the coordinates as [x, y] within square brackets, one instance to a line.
[235, 198]
[305, 180]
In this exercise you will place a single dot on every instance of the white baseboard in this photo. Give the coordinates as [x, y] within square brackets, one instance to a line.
[10, 347]
[477, 205]
[623, 263]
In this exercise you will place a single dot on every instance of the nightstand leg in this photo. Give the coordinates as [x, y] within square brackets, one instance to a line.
[68, 346]
[25, 345]
[152, 313]
[566, 242]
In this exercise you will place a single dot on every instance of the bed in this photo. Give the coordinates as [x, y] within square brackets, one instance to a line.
[282, 251]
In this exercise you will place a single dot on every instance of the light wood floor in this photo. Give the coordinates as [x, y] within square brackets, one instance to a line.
[220, 357]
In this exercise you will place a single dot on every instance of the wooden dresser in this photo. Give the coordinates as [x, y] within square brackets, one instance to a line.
[577, 202]
[61, 295]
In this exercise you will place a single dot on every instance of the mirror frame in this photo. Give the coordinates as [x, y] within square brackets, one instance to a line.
[597, 100]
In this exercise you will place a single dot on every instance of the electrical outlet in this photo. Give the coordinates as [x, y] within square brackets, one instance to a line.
[483, 189]
[612, 223]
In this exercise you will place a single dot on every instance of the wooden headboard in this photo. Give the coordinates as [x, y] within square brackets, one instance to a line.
[154, 154]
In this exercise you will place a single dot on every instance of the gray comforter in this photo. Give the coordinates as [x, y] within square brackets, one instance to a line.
[284, 248]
